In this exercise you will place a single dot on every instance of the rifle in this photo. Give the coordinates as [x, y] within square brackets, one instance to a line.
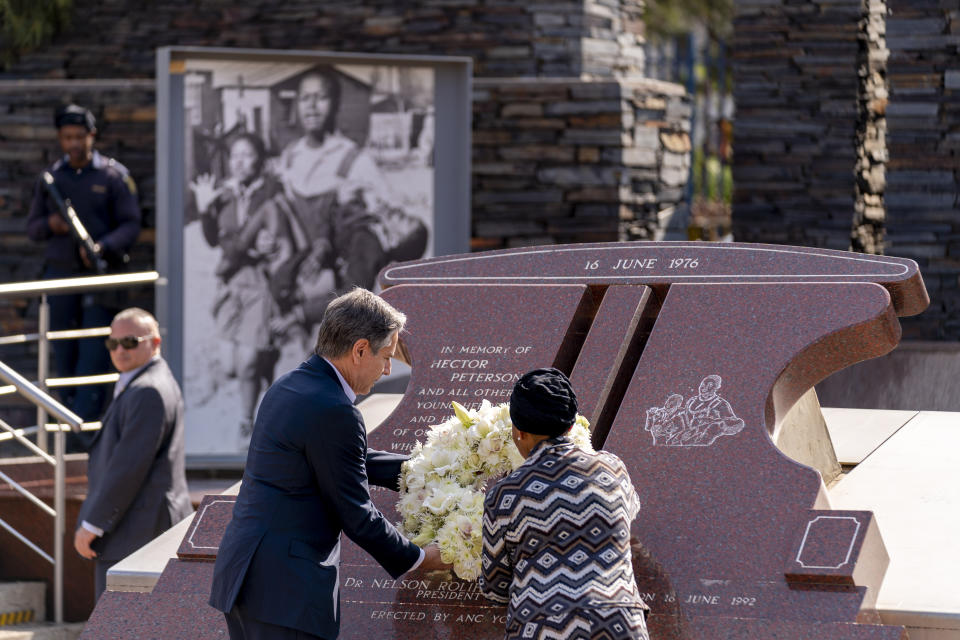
[94, 250]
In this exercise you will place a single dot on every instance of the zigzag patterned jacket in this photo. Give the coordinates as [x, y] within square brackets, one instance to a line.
[556, 545]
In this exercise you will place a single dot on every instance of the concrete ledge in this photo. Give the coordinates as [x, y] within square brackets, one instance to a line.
[856, 433]
[141, 569]
[909, 378]
[23, 596]
[909, 481]
[43, 631]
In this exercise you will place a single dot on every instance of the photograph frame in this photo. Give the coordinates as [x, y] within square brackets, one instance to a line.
[449, 224]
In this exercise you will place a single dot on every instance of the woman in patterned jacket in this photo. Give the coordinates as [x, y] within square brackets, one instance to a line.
[556, 532]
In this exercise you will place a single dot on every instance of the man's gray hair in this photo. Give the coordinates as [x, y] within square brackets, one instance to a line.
[357, 315]
[141, 317]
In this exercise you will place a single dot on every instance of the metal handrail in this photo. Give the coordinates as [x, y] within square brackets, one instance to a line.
[49, 428]
[43, 506]
[19, 434]
[21, 338]
[53, 383]
[100, 378]
[76, 285]
[39, 397]
[43, 554]
[46, 405]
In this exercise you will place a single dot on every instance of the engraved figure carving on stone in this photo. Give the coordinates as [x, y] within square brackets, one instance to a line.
[699, 422]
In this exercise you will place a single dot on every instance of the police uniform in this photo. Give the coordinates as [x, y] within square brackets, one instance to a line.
[105, 199]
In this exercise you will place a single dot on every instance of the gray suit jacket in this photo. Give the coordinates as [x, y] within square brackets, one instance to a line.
[137, 482]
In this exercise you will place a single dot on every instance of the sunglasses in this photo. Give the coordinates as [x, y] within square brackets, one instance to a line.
[127, 342]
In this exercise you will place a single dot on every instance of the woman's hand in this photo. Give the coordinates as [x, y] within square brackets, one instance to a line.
[206, 191]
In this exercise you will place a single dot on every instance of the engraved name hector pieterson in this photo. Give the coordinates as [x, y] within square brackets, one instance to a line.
[696, 423]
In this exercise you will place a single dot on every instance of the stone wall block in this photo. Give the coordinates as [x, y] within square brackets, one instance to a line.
[576, 176]
[639, 157]
[539, 153]
[532, 109]
[583, 107]
[588, 136]
[596, 91]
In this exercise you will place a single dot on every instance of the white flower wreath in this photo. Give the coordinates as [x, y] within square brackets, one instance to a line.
[443, 484]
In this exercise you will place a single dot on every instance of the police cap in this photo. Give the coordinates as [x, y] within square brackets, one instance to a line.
[75, 114]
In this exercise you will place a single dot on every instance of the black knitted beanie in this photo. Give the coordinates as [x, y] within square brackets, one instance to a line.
[543, 402]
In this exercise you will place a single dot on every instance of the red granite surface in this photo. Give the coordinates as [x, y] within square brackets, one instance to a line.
[693, 376]
[176, 608]
[124, 615]
[722, 507]
[659, 264]
[721, 513]
[209, 522]
[838, 547]
[610, 352]
[185, 576]
[719, 628]
[465, 343]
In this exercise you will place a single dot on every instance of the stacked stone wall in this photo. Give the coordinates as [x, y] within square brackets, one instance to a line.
[566, 38]
[923, 175]
[796, 89]
[871, 142]
[576, 161]
[847, 135]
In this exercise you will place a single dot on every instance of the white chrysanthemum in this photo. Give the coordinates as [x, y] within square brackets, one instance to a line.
[489, 450]
[440, 459]
[442, 485]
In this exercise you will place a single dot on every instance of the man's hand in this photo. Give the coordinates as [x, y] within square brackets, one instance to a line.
[82, 540]
[431, 559]
[58, 225]
[87, 262]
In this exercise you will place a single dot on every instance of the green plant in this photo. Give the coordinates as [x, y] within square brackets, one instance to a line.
[27, 24]
[677, 17]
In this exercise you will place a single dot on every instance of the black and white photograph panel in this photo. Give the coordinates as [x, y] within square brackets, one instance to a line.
[303, 180]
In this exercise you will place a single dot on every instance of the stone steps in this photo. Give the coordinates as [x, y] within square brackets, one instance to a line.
[21, 602]
[42, 631]
[22, 614]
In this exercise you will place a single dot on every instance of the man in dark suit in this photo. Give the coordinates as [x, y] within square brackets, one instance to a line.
[307, 480]
[137, 485]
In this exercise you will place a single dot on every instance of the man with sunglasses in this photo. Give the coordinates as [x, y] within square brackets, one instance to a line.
[137, 485]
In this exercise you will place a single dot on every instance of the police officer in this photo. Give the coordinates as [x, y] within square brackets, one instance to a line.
[105, 199]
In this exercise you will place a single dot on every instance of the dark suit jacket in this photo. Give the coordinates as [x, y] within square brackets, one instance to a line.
[137, 483]
[305, 481]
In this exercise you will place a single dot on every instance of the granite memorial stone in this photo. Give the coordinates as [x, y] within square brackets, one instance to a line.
[698, 350]
[686, 356]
